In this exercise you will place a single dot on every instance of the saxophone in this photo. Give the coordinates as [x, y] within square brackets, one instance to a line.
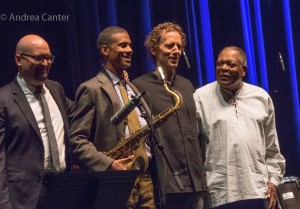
[128, 144]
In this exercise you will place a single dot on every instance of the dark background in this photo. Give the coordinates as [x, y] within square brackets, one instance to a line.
[73, 42]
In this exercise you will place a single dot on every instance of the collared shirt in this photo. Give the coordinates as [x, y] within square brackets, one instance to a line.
[56, 118]
[242, 149]
[130, 93]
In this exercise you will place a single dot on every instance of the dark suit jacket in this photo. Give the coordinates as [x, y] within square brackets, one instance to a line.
[92, 131]
[21, 146]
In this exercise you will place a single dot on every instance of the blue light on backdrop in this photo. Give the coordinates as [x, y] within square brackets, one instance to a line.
[248, 40]
[207, 41]
[261, 28]
[112, 14]
[260, 47]
[292, 69]
[193, 38]
[147, 26]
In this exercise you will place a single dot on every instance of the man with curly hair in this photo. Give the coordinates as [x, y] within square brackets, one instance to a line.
[178, 136]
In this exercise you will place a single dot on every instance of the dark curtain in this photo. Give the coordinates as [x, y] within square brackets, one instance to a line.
[262, 28]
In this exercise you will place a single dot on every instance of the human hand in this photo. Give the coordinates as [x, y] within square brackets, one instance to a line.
[271, 195]
[120, 164]
[76, 168]
[126, 76]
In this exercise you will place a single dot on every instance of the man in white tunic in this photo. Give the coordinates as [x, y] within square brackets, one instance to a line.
[237, 120]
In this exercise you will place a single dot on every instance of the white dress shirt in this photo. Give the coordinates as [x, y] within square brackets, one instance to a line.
[56, 118]
[130, 93]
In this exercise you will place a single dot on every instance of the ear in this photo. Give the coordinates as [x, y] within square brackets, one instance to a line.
[18, 60]
[245, 68]
[152, 51]
[104, 50]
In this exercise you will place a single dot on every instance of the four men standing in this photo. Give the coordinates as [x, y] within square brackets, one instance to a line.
[236, 121]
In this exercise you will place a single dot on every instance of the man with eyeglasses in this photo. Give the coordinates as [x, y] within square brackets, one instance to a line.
[29, 134]
[40, 58]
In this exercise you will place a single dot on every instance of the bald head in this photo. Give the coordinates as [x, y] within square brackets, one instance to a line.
[29, 43]
[28, 49]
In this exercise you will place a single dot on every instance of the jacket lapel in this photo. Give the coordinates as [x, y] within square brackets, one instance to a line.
[23, 104]
[108, 87]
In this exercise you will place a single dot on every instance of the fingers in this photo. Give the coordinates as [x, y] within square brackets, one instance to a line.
[120, 164]
[128, 159]
[126, 76]
[272, 195]
[272, 201]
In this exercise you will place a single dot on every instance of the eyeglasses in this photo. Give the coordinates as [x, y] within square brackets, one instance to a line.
[40, 58]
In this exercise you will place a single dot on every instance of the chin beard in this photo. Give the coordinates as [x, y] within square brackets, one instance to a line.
[42, 78]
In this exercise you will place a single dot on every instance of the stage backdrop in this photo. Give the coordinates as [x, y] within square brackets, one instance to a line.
[264, 29]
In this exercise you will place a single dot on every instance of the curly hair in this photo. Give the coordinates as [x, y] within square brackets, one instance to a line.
[153, 39]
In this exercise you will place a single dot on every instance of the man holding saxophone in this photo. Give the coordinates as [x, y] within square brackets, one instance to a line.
[178, 136]
[97, 100]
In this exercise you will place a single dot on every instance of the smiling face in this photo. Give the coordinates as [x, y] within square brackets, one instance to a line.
[169, 50]
[118, 53]
[34, 73]
[230, 69]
